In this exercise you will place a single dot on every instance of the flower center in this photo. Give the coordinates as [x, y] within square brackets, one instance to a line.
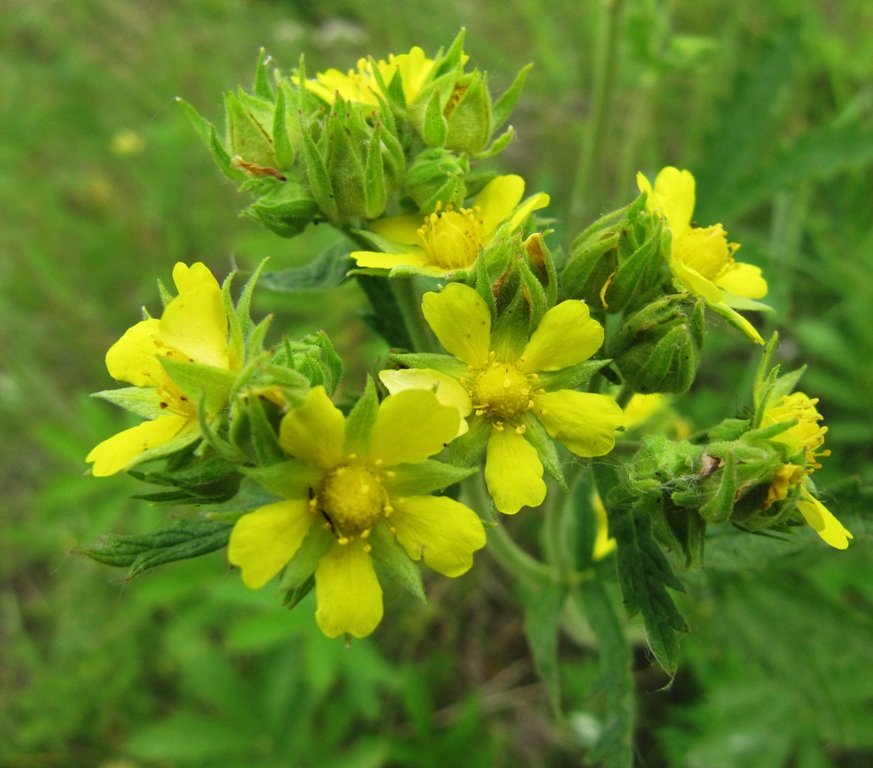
[452, 238]
[706, 251]
[501, 392]
[352, 498]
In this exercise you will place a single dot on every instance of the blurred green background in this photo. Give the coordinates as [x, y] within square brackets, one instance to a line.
[104, 186]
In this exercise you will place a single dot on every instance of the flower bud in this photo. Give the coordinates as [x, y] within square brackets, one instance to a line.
[468, 114]
[657, 349]
[437, 176]
[286, 209]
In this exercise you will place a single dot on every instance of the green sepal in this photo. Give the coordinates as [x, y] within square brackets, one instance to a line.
[571, 377]
[468, 120]
[291, 479]
[425, 477]
[536, 434]
[636, 271]
[316, 174]
[208, 135]
[262, 435]
[261, 85]
[143, 401]
[294, 596]
[735, 301]
[201, 382]
[540, 258]
[246, 135]
[394, 560]
[590, 266]
[728, 429]
[138, 553]
[498, 145]
[250, 495]
[464, 450]
[765, 378]
[504, 105]
[360, 421]
[316, 544]
[719, 508]
[450, 366]
[287, 209]
[434, 130]
[344, 166]
[437, 176]
[375, 192]
[453, 57]
[240, 316]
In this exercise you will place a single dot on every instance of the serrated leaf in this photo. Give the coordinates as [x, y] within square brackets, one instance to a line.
[186, 539]
[543, 608]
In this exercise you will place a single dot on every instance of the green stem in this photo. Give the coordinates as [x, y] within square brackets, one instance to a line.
[606, 69]
[409, 303]
[512, 558]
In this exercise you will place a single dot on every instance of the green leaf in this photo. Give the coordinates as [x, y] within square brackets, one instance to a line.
[138, 553]
[324, 272]
[645, 574]
[543, 607]
[614, 747]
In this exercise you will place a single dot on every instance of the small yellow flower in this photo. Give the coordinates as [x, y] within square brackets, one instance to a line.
[604, 544]
[351, 484]
[193, 329]
[361, 85]
[448, 240]
[506, 399]
[701, 258]
[804, 440]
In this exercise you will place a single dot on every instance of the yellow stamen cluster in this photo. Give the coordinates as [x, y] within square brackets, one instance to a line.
[501, 392]
[352, 498]
[452, 238]
[706, 251]
[807, 434]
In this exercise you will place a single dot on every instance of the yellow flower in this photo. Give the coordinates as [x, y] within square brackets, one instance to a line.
[701, 258]
[514, 403]
[804, 440]
[447, 240]
[192, 329]
[361, 85]
[358, 484]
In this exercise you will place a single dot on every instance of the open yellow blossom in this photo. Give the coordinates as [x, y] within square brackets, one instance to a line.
[448, 240]
[512, 403]
[192, 329]
[361, 85]
[804, 441]
[701, 259]
[360, 489]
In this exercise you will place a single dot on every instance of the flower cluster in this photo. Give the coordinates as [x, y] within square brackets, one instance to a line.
[536, 378]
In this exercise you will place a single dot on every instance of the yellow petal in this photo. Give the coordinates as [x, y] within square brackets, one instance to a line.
[744, 280]
[133, 358]
[673, 198]
[565, 336]
[411, 426]
[822, 521]
[534, 203]
[582, 421]
[262, 542]
[195, 322]
[376, 260]
[695, 282]
[348, 593]
[315, 432]
[447, 390]
[118, 451]
[498, 200]
[400, 229]
[461, 320]
[513, 472]
[441, 530]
